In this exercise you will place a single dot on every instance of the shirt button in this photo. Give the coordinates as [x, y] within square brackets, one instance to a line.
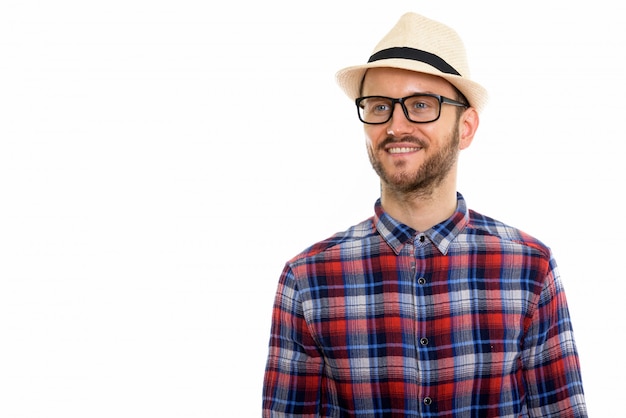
[424, 341]
[422, 238]
[427, 401]
[421, 280]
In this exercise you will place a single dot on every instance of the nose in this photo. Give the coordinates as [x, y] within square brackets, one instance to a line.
[399, 124]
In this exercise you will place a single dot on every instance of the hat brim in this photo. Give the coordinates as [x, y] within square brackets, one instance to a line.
[350, 79]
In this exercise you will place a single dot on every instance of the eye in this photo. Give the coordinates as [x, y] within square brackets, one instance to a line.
[381, 107]
[376, 105]
[421, 104]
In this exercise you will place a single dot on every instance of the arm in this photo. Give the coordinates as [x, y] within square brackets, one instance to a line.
[293, 372]
[551, 367]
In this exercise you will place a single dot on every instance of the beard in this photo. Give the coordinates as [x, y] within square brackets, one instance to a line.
[428, 176]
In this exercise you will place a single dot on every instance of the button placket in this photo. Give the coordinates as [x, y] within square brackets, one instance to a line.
[423, 300]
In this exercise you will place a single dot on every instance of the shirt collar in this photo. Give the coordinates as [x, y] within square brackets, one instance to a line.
[397, 234]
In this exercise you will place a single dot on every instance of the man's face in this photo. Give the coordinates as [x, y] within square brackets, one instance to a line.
[411, 157]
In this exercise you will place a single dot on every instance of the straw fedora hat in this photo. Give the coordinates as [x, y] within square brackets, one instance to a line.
[419, 44]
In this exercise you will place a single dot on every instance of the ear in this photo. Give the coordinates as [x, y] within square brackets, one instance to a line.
[467, 127]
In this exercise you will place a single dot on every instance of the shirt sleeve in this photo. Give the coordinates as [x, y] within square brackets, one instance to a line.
[551, 365]
[293, 372]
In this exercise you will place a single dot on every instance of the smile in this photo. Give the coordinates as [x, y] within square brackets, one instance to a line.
[401, 150]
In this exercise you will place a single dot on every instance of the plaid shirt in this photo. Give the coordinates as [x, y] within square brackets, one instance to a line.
[468, 319]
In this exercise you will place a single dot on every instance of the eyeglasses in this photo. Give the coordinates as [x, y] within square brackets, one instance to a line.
[418, 108]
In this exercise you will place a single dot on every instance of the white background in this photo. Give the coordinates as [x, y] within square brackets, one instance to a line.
[161, 160]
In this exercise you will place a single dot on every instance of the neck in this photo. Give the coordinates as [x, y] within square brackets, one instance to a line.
[421, 211]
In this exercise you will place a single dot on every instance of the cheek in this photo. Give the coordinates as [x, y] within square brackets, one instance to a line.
[374, 134]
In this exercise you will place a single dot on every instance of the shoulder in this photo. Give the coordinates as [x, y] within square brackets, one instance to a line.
[351, 237]
[480, 224]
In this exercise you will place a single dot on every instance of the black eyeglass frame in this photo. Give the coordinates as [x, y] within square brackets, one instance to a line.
[442, 100]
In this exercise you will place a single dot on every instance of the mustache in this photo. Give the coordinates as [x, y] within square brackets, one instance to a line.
[405, 139]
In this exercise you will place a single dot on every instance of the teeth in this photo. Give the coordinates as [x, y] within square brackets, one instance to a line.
[401, 150]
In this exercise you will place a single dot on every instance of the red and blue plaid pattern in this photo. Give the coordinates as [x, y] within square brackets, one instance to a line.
[468, 319]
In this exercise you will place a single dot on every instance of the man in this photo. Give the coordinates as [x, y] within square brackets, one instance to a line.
[427, 309]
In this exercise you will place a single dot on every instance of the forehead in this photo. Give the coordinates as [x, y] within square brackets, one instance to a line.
[395, 82]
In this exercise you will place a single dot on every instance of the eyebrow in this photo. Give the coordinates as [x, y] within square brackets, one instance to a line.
[416, 93]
